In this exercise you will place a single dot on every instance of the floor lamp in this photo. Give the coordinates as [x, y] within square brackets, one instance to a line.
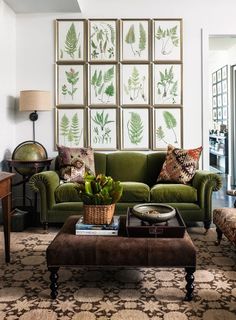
[35, 100]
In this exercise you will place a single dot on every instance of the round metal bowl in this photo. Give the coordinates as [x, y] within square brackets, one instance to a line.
[153, 212]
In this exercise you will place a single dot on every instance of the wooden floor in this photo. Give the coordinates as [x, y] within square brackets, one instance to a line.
[220, 198]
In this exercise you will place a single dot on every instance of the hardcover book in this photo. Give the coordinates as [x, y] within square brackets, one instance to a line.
[97, 229]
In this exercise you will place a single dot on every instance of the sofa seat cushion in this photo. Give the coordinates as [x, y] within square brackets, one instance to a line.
[135, 192]
[173, 193]
[67, 192]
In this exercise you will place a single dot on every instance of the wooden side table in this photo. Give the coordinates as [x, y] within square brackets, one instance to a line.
[5, 195]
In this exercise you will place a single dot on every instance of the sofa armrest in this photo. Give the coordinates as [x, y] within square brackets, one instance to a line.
[45, 183]
[206, 182]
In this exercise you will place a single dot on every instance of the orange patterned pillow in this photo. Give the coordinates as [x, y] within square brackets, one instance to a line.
[180, 165]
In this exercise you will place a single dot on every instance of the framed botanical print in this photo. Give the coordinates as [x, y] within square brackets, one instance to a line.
[70, 127]
[103, 40]
[219, 88]
[214, 113]
[214, 90]
[134, 84]
[224, 99]
[135, 125]
[103, 85]
[70, 85]
[214, 103]
[70, 40]
[219, 100]
[213, 77]
[167, 84]
[135, 40]
[225, 113]
[219, 114]
[167, 40]
[224, 72]
[218, 75]
[224, 86]
[167, 128]
[103, 128]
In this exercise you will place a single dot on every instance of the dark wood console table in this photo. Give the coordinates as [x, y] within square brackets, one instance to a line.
[5, 195]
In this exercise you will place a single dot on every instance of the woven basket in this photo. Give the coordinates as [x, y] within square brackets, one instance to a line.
[98, 214]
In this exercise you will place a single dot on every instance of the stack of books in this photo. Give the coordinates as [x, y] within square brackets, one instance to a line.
[98, 229]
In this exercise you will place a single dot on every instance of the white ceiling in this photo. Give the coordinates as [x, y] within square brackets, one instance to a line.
[221, 42]
[38, 6]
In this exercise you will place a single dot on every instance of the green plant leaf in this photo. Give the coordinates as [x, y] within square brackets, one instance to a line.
[170, 120]
[110, 90]
[94, 78]
[142, 37]
[130, 36]
[109, 74]
[135, 128]
[160, 134]
[71, 41]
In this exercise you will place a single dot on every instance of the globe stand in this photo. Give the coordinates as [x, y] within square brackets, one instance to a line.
[28, 158]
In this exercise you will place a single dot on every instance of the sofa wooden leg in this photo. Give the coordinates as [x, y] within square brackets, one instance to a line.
[219, 236]
[207, 225]
[53, 278]
[45, 226]
[190, 285]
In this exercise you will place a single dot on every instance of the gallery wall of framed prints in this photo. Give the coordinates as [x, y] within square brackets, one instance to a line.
[119, 83]
[220, 96]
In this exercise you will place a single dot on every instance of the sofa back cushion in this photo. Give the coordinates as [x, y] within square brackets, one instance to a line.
[127, 166]
[100, 160]
[154, 165]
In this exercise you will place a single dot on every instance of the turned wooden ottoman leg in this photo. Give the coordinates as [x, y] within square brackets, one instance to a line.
[219, 235]
[53, 278]
[190, 285]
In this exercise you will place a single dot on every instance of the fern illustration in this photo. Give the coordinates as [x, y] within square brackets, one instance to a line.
[169, 39]
[71, 132]
[72, 78]
[135, 128]
[170, 122]
[101, 120]
[102, 83]
[167, 87]
[142, 39]
[137, 44]
[64, 126]
[71, 41]
[102, 132]
[130, 37]
[102, 41]
[160, 134]
[135, 87]
[64, 90]
[75, 129]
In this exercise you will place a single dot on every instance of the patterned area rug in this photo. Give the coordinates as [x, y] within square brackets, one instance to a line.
[117, 293]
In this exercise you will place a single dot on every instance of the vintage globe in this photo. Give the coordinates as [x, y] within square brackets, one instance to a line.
[29, 151]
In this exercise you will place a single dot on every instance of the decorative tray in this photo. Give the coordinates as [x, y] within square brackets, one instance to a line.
[173, 228]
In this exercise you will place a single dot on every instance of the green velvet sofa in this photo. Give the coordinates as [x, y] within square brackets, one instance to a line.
[138, 173]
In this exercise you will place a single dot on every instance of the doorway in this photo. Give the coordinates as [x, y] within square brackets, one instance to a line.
[222, 58]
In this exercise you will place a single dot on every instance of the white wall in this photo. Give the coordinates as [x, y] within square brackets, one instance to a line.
[35, 56]
[7, 81]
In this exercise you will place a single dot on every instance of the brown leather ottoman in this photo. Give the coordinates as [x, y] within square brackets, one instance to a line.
[68, 249]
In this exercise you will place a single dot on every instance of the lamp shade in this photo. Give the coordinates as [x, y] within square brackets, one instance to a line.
[35, 100]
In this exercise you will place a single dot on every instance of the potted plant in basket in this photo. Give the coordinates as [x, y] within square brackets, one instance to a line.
[99, 195]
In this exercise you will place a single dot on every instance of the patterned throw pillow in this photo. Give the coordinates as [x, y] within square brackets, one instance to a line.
[74, 162]
[180, 165]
